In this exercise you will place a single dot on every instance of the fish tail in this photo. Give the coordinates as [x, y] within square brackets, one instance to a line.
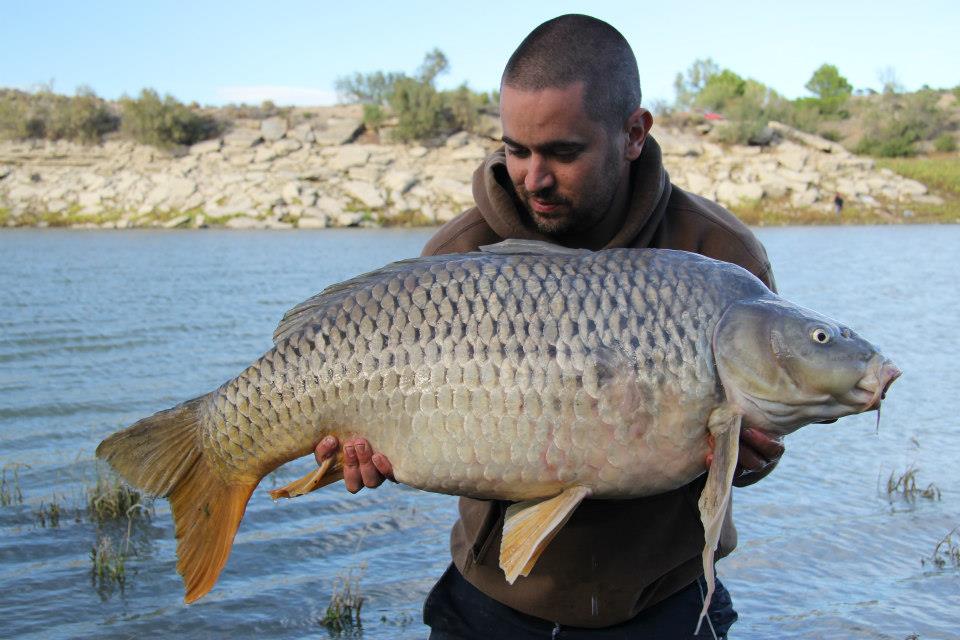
[163, 455]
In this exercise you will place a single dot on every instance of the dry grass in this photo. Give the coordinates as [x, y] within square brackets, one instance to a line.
[905, 486]
[110, 499]
[947, 551]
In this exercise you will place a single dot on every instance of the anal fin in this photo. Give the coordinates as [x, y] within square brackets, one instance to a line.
[724, 426]
[329, 471]
[530, 526]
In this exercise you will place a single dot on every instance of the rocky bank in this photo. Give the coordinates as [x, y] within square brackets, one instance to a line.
[266, 174]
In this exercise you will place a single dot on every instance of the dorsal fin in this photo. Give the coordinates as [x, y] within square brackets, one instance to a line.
[531, 247]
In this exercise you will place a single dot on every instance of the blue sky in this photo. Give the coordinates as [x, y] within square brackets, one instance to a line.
[291, 52]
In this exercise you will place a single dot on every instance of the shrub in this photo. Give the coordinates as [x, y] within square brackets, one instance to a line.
[421, 110]
[945, 142]
[47, 115]
[166, 122]
[895, 122]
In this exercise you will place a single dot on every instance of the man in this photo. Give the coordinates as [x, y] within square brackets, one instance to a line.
[578, 168]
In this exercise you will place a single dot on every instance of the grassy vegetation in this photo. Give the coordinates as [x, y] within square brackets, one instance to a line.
[49, 513]
[86, 118]
[947, 551]
[904, 485]
[940, 173]
[343, 612]
[109, 499]
[10, 492]
[779, 212]
[419, 110]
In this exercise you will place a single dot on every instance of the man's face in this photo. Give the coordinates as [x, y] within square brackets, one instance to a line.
[567, 169]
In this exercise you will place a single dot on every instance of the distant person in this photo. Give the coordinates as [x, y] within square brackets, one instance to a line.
[838, 203]
[579, 169]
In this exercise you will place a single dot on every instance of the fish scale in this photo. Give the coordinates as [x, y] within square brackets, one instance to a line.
[380, 356]
[527, 372]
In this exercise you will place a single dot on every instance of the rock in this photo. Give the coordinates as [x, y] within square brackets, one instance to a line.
[272, 129]
[488, 126]
[348, 219]
[243, 222]
[471, 151]
[805, 198]
[327, 207]
[342, 158]
[791, 155]
[89, 201]
[277, 225]
[911, 187]
[337, 131]
[303, 133]
[417, 151]
[207, 146]
[312, 222]
[674, 144]
[399, 182]
[699, 184]
[366, 193]
[290, 192]
[808, 139]
[241, 139]
[173, 223]
[457, 140]
[734, 193]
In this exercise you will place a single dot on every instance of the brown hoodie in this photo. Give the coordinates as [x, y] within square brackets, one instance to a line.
[613, 558]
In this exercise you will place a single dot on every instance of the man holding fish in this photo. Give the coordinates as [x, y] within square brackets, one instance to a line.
[579, 169]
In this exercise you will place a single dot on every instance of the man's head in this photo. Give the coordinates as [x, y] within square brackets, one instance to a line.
[572, 123]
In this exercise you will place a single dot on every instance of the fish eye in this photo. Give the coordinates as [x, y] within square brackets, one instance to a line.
[820, 335]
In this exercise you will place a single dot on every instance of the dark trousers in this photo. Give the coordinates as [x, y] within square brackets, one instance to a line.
[456, 610]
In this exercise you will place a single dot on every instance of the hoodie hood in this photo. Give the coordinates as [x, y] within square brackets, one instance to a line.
[503, 211]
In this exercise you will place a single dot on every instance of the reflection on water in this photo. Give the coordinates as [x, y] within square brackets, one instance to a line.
[98, 329]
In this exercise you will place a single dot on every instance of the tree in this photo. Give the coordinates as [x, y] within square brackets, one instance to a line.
[827, 83]
[690, 85]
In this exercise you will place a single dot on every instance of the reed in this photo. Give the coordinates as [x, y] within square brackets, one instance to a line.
[10, 492]
[49, 513]
[905, 485]
[343, 612]
[110, 499]
[947, 551]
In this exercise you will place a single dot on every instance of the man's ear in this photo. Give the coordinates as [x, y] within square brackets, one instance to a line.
[638, 126]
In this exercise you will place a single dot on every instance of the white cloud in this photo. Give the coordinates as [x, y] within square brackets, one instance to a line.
[278, 94]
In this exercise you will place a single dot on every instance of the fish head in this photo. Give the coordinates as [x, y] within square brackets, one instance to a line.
[785, 366]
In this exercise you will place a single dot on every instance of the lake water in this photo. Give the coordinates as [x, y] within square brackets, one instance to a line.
[98, 329]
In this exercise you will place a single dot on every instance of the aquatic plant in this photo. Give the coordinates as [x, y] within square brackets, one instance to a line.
[109, 563]
[905, 485]
[10, 492]
[49, 513]
[343, 612]
[111, 499]
[947, 551]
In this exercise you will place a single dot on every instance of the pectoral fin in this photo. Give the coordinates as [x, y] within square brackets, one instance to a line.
[530, 526]
[724, 425]
[329, 471]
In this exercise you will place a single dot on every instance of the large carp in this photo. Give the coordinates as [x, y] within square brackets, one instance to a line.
[526, 372]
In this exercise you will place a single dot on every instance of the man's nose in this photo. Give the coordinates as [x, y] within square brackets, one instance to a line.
[538, 176]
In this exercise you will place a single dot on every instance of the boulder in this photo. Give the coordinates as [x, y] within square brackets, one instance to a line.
[337, 131]
[272, 129]
[207, 146]
[312, 222]
[173, 223]
[348, 219]
[399, 181]
[243, 222]
[365, 192]
[342, 158]
[241, 139]
[734, 192]
[302, 133]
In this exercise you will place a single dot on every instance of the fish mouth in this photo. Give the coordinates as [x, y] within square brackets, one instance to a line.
[872, 388]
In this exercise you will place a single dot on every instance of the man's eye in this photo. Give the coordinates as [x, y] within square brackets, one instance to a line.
[519, 152]
[567, 156]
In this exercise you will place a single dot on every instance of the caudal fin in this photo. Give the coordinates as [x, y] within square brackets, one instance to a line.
[162, 455]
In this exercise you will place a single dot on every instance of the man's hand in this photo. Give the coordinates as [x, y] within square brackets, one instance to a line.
[758, 455]
[361, 466]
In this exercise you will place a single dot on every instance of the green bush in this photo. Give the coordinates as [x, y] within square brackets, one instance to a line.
[422, 111]
[945, 142]
[894, 123]
[166, 122]
[47, 115]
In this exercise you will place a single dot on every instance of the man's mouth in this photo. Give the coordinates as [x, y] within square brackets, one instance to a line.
[545, 206]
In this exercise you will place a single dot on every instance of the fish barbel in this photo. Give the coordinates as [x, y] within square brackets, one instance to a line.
[525, 372]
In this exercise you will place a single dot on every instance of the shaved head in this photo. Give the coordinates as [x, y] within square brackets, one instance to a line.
[576, 48]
